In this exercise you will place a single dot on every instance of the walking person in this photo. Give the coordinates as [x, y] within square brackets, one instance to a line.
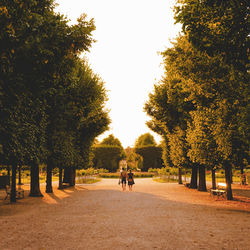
[123, 178]
[130, 180]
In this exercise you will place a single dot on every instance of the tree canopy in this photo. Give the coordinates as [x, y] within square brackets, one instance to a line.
[200, 106]
[51, 103]
[145, 140]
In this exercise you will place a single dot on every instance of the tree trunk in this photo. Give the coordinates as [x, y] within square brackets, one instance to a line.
[228, 168]
[213, 179]
[180, 176]
[69, 176]
[8, 169]
[193, 183]
[202, 179]
[231, 175]
[20, 175]
[73, 177]
[241, 169]
[49, 188]
[60, 178]
[13, 184]
[242, 175]
[34, 181]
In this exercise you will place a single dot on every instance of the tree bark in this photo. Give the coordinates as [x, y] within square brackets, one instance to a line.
[213, 179]
[202, 179]
[193, 183]
[60, 178]
[231, 175]
[20, 175]
[49, 188]
[8, 170]
[73, 177]
[34, 181]
[243, 176]
[228, 168]
[180, 176]
[69, 176]
[13, 184]
[241, 169]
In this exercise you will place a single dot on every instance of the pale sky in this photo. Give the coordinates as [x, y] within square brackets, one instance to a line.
[129, 34]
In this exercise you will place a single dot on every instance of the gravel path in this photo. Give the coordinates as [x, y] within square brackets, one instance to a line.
[101, 216]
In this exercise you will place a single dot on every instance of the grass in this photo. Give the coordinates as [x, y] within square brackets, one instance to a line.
[42, 178]
[164, 180]
[222, 179]
[87, 180]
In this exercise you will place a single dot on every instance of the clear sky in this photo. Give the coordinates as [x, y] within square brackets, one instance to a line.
[129, 35]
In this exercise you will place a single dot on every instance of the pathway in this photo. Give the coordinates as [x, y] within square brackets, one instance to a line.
[101, 216]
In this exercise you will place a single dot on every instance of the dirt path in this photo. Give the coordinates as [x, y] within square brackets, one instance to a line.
[101, 216]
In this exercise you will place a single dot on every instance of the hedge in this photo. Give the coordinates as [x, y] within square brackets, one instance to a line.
[136, 175]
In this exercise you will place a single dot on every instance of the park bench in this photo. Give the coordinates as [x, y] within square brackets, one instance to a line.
[220, 190]
[19, 192]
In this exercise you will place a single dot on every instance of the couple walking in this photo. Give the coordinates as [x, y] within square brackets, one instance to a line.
[126, 177]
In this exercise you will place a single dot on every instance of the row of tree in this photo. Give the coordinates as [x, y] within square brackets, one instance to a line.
[200, 106]
[109, 152]
[51, 103]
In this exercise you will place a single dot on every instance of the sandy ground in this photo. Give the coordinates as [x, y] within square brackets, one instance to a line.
[101, 216]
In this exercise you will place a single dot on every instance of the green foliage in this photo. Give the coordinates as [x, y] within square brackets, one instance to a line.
[223, 80]
[134, 161]
[51, 102]
[87, 180]
[166, 152]
[164, 171]
[107, 156]
[151, 156]
[200, 106]
[217, 27]
[90, 171]
[111, 140]
[136, 175]
[169, 108]
[145, 140]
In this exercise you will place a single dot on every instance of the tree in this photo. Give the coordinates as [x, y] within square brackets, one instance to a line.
[108, 153]
[107, 157]
[49, 99]
[23, 118]
[152, 156]
[111, 140]
[134, 160]
[80, 117]
[169, 109]
[145, 140]
[223, 26]
[145, 146]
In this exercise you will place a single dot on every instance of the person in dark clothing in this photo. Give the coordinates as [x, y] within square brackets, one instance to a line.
[130, 180]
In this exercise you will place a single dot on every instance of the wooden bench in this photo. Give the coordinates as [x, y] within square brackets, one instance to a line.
[19, 192]
[220, 190]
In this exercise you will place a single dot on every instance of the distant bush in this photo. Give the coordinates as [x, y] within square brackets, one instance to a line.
[164, 171]
[3, 172]
[152, 156]
[109, 175]
[91, 171]
[144, 175]
[107, 156]
[136, 175]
